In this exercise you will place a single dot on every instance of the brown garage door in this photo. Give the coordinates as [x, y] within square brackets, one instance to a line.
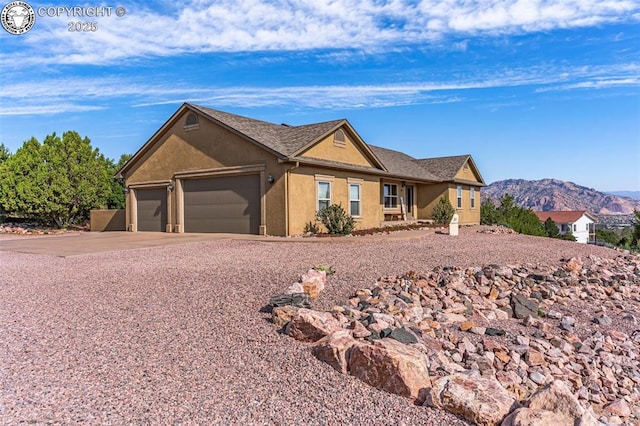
[152, 209]
[223, 204]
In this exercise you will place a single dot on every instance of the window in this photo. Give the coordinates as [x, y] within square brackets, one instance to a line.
[191, 123]
[459, 196]
[575, 227]
[390, 193]
[339, 138]
[472, 198]
[354, 199]
[324, 194]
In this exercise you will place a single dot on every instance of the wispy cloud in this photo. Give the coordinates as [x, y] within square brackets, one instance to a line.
[203, 26]
[52, 96]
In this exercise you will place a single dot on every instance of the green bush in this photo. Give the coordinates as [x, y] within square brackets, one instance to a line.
[336, 220]
[311, 228]
[443, 211]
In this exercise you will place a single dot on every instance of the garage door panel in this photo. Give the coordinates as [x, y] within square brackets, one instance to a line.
[152, 209]
[223, 204]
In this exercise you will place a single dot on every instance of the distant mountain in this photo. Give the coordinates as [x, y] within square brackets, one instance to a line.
[553, 194]
[628, 194]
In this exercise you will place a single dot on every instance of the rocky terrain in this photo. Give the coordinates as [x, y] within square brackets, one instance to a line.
[526, 344]
[553, 194]
[177, 334]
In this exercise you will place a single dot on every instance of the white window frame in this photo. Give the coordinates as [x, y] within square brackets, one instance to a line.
[390, 196]
[575, 228]
[358, 200]
[459, 196]
[318, 199]
[472, 198]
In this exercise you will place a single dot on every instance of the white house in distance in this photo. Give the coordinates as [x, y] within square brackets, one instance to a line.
[580, 223]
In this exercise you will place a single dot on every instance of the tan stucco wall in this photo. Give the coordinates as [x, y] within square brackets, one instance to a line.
[107, 220]
[466, 215]
[209, 147]
[428, 196]
[349, 153]
[467, 174]
[303, 193]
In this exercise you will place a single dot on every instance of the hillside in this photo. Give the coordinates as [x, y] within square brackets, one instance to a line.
[553, 194]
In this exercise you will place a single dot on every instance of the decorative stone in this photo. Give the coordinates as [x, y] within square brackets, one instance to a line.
[619, 407]
[333, 349]
[465, 326]
[300, 300]
[557, 397]
[313, 282]
[310, 326]
[523, 306]
[482, 400]
[392, 366]
[281, 315]
[403, 336]
[529, 417]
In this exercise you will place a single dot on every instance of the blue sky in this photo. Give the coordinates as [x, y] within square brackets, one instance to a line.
[531, 88]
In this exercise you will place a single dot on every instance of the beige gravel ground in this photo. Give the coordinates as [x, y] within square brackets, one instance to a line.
[174, 335]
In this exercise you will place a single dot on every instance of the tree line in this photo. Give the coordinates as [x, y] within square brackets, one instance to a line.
[59, 181]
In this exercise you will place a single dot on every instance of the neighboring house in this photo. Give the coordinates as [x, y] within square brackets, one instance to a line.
[579, 223]
[206, 170]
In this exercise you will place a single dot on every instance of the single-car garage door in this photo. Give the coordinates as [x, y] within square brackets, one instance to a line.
[152, 209]
[222, 204]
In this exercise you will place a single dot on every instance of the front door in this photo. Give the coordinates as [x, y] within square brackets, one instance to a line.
[410, 202]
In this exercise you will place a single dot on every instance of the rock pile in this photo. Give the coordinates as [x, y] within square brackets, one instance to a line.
[27, 229]
[494, 343]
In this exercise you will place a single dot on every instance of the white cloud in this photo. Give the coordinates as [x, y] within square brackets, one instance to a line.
[258, 25]
[52, 96]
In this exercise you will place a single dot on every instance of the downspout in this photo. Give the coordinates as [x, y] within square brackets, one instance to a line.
[286, 198]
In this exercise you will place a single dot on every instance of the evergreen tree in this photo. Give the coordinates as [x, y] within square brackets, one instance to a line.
[443, 211]
[550, 228]
[58, 181]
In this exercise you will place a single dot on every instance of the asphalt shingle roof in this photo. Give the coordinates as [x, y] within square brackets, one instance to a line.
[401, 164]
[280, 138]
[288, 140]
[444, 168]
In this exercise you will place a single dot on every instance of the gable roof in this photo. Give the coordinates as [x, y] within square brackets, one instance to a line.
[563, 216]
[283, 139]
[402, 165]
[287, 142]
[446, 168]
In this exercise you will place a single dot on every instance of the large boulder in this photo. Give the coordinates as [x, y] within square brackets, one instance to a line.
[334, 349]
[392, 366]
[529, 417]
[308, 325]
[555, 397]
[482, 400]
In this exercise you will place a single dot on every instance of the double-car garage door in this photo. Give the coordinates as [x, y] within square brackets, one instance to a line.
[221, 204]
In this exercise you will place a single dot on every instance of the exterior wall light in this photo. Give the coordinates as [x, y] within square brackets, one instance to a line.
[170, 186]
[271, 179]
[126, 189]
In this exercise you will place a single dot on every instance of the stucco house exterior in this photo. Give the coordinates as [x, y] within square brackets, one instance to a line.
[579, 223]
[206, 170]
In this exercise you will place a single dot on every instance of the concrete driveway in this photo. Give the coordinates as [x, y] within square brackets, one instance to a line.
[74, 244]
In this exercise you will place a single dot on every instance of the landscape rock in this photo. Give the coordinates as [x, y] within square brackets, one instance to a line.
[524, 307]
[313, 282]
[557, 398]
[310, 326]
[479, 399]
[392, 366]
[525, 416]
[334, 348]
[281, 315]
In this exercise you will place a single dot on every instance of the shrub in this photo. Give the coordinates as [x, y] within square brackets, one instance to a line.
[328, 269]
[336, 220]
[311, 228]
[443, 211]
